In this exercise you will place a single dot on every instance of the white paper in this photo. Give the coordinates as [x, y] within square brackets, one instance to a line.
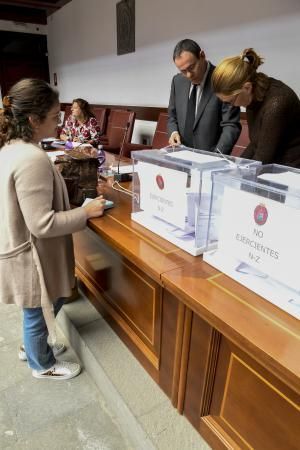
[270, 289]
[169, 232]
[290, 179]
[53, 155]
[49, 139]
[272, 247]
[81, 144]
[169, 201]
[187, 155]
[123, 169]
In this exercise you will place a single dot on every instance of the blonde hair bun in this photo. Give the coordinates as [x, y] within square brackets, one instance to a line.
[251, 57]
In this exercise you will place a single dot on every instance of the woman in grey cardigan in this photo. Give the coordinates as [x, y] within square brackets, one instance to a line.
[36, 224]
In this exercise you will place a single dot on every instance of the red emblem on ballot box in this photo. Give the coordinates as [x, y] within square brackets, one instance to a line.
[260, 214]
[160, 182]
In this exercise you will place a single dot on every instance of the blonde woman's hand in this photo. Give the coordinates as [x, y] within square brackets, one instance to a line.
[95, 208]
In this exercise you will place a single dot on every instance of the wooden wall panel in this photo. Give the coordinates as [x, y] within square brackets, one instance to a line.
[142, 112]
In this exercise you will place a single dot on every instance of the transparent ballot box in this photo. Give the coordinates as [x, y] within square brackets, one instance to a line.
[254, 237]
[172, 192]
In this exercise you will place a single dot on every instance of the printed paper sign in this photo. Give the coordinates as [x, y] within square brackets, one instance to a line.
[262, 233]
[163, 193]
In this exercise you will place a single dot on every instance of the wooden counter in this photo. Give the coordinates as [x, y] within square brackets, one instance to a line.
[240, 370]
[121, 264]
[228, 359]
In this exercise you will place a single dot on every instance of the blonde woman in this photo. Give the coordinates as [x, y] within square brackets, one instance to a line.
[273, 108]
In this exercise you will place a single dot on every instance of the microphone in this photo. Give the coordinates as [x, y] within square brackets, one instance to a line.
[122, 176]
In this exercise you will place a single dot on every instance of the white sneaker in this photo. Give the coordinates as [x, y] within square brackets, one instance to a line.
[61, 370]
[57, 348]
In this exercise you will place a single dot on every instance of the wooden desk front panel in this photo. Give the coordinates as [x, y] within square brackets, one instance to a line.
[225, 357]
[233, 401]
[132, 302]
[131, 297]
[256, 409]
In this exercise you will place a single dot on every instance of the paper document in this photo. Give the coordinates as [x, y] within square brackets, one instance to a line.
[261, 232]
[186, 155]
[49, 139]
[290, 179]
[81, 144]
[123, 169]
[53, 155]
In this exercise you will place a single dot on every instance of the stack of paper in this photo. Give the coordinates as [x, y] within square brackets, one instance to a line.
[186, 155]
[53, 155]
[123, 169]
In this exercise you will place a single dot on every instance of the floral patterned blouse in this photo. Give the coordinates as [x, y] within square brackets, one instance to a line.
[88, 131]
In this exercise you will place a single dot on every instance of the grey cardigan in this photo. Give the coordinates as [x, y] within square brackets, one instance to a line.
[34, 202]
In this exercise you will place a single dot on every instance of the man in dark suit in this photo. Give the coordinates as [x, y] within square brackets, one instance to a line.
[197, 118]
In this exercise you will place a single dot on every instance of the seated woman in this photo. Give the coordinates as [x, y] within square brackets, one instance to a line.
[273, 108]
[81, 126]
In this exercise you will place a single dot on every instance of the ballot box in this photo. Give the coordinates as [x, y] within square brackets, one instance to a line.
[172, 192]
[255, 236]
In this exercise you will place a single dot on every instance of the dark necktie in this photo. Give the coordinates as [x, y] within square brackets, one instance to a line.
[190, 118]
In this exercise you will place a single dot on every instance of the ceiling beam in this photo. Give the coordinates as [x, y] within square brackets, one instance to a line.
[21, 14]
[35, 4]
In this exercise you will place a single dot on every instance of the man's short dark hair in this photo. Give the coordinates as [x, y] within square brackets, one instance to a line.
[186, 45]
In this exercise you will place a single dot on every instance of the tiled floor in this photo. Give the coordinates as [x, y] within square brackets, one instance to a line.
[112, 405]
[140, 406]
[44, 414]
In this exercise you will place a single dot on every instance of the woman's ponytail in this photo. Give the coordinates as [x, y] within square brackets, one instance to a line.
[250, 56]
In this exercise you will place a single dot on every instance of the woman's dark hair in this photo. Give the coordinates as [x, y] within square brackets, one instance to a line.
[28, 97]
[85, 108]
[186, 45]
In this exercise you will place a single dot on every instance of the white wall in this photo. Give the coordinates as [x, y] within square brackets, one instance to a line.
[82, 44]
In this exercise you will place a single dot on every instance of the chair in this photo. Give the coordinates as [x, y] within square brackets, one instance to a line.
[120, 125]
[242, 141]
[67, 112]
[160, 138]
[101, 116]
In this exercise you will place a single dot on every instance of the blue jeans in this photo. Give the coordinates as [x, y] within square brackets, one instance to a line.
[39, 353]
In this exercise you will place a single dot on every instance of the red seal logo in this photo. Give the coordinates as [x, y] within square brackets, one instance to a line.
[160, 182]
[260, 214]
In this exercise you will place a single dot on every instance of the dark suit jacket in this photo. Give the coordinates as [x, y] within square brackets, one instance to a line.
[217, 124]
